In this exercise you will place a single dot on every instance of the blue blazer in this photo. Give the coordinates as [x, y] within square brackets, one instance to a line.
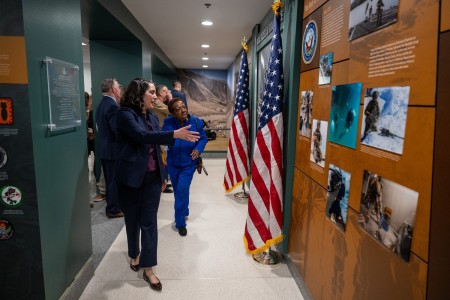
[105, 117]
[133, 146]
[179, 154]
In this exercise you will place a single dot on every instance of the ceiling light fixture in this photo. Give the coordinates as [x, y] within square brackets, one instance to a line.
[205, 66]
[83, 44]
[205, 58]
[205, 46]
[207, 23]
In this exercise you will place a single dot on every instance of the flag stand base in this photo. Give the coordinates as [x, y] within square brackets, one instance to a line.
[268, 258]
[241, 195]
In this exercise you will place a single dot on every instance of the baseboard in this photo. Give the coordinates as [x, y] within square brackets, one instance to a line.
[80, 282]
[214, 154]
[298, 279]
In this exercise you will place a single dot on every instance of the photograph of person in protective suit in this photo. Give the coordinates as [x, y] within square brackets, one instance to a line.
[387, 213]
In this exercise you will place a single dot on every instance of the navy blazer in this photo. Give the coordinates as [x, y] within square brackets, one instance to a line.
[105, 117]
[133, 145]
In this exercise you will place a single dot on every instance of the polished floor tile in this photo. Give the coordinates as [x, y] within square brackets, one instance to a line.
[209, 263]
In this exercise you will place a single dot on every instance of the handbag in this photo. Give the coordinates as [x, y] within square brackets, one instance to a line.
[199, 165]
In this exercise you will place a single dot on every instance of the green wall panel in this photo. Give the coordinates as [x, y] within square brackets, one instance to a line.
[60, 160]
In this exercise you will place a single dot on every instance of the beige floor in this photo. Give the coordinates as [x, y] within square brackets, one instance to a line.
[209, 263]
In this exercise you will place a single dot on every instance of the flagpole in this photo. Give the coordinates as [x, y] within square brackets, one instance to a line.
[270, 257]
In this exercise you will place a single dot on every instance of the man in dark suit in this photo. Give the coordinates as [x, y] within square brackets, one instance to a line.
[177, 93]
[106, 127]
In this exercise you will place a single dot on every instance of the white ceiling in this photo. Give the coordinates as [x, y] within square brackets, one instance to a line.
[175, 25]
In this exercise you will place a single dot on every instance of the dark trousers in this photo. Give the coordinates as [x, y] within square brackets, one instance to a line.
[140, 206]
[109, 171]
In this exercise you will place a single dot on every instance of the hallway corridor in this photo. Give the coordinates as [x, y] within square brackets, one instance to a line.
[209, 263]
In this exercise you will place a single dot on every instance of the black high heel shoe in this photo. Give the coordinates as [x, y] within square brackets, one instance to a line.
[154, 286]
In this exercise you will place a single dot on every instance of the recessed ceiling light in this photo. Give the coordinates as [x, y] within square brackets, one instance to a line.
[205, 66]
[83, 44]
[205, 46]
[205, 58]
[207, 23]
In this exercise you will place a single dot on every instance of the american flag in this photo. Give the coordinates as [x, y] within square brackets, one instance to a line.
[265, 206]
[237, 158]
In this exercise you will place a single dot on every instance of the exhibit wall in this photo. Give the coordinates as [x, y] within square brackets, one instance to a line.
[362, 191]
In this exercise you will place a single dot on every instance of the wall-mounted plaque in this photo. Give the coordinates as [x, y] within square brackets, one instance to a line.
[63, 94]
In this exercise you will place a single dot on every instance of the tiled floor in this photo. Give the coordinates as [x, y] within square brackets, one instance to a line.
[209, 263]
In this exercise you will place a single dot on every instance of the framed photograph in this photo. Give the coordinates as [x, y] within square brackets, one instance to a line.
[388, 212]
[337, 196]
[384, 119]
[344, 113]
[319, 142]
[325, 68]
[367, 16]
[306, 113]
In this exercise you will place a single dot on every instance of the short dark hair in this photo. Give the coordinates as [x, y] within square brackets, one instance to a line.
[172, 104]
[175, 82]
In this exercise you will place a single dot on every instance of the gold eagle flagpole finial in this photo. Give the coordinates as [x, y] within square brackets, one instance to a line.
[276, 7]
[244, 44]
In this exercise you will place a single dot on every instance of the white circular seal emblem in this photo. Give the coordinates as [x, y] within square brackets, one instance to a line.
[309, 44]
[3, 157]
[11, 196]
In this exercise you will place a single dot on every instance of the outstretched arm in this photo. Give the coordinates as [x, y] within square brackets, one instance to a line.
[184, 134]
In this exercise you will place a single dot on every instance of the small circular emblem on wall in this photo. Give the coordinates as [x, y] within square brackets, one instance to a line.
[6, 229]
[11, 196]
[3, 157]
[309, 44]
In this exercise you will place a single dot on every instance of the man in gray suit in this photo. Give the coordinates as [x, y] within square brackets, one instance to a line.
[106, 127]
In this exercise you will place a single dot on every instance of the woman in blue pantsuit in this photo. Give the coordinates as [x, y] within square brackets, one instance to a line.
[182, 159]
[140, 173]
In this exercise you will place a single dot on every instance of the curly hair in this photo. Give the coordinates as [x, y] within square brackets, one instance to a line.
[134, 94]
[172, 104]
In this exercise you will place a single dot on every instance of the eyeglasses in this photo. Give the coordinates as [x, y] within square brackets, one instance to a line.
[180, 108]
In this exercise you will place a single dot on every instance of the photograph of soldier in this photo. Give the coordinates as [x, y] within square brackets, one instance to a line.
[305, 113]
[388, 212]
[337, 196]
[371, 114]
[318, 142]
[384, 119]
[367, 16]
[344, 113]
[325, 69]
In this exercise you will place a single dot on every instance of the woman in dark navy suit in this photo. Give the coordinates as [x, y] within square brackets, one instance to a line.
[140, 173]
